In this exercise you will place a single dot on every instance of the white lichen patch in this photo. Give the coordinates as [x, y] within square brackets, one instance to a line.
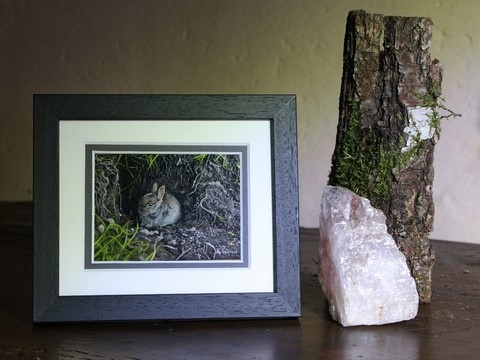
[419, 126]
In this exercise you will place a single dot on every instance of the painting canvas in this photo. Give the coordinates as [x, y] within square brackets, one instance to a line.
[166, 206]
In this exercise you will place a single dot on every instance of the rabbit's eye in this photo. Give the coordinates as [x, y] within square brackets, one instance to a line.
[150, 204]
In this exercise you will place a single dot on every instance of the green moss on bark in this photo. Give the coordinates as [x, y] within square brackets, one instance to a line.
[366, 164]
[360, 164]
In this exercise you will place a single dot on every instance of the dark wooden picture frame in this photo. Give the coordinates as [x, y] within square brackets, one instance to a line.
[278, 110]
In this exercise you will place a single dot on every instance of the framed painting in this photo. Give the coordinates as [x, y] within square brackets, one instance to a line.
[160, 207]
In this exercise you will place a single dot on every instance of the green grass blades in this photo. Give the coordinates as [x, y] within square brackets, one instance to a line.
[120, 243]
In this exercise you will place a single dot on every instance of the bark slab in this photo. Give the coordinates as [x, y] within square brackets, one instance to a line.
[385, 136]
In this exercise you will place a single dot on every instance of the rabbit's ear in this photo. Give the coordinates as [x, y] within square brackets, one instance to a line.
[154, 188]
[161, 192]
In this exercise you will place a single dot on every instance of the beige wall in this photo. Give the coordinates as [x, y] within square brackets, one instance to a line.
[233, 46]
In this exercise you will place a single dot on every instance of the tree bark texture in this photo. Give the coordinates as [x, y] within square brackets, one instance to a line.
[386, 69]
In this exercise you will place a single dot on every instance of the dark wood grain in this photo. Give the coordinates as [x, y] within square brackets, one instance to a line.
[278, 110]
[447, 328]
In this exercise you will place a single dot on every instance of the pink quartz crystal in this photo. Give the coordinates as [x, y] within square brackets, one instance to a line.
[364, 276]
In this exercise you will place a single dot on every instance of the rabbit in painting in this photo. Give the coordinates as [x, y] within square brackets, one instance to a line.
[158, 208]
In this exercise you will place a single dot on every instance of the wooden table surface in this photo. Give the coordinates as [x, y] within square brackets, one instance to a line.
[447, 328]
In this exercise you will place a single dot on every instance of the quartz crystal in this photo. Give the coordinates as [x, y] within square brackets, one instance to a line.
[364, 276]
